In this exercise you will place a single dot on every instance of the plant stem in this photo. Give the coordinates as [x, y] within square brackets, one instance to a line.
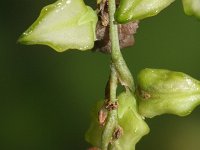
[113, 32]
[111, 121]
[123, 72]
[119, 72]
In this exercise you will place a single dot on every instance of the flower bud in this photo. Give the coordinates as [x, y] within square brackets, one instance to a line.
[131, 10]
[162, 91]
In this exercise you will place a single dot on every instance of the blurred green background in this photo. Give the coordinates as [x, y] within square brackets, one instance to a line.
[46, 97]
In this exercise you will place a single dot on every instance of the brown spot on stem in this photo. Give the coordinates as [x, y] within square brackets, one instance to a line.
[111, 105]
[117, 133]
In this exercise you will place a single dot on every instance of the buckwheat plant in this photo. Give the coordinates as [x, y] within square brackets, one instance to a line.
[117, 122]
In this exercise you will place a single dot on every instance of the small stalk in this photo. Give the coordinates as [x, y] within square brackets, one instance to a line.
[123, 72]
[111, 121]
[119, 72]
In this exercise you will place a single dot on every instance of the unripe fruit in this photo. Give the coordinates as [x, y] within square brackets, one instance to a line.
[131, 124]
[63, 25]
[192, 7]
[131, 10]
[162, 91]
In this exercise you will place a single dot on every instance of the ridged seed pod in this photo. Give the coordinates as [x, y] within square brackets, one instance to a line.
[162, 91]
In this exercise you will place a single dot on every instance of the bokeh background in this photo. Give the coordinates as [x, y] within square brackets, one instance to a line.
[46, 97]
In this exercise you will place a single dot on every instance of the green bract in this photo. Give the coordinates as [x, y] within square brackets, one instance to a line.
[162, 91]
[192, 7]
[131, 10]
[66, 24]
[129, 120]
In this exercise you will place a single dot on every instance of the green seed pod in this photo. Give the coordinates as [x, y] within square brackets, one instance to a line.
[162, 91]
[130, 122]
[63, 25]
[132, 10]
[192, 7]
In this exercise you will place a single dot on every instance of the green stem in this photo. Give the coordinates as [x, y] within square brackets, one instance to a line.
[119, 72]
[113, 84]
[123, 72]
[111, 121]
[113, 32]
